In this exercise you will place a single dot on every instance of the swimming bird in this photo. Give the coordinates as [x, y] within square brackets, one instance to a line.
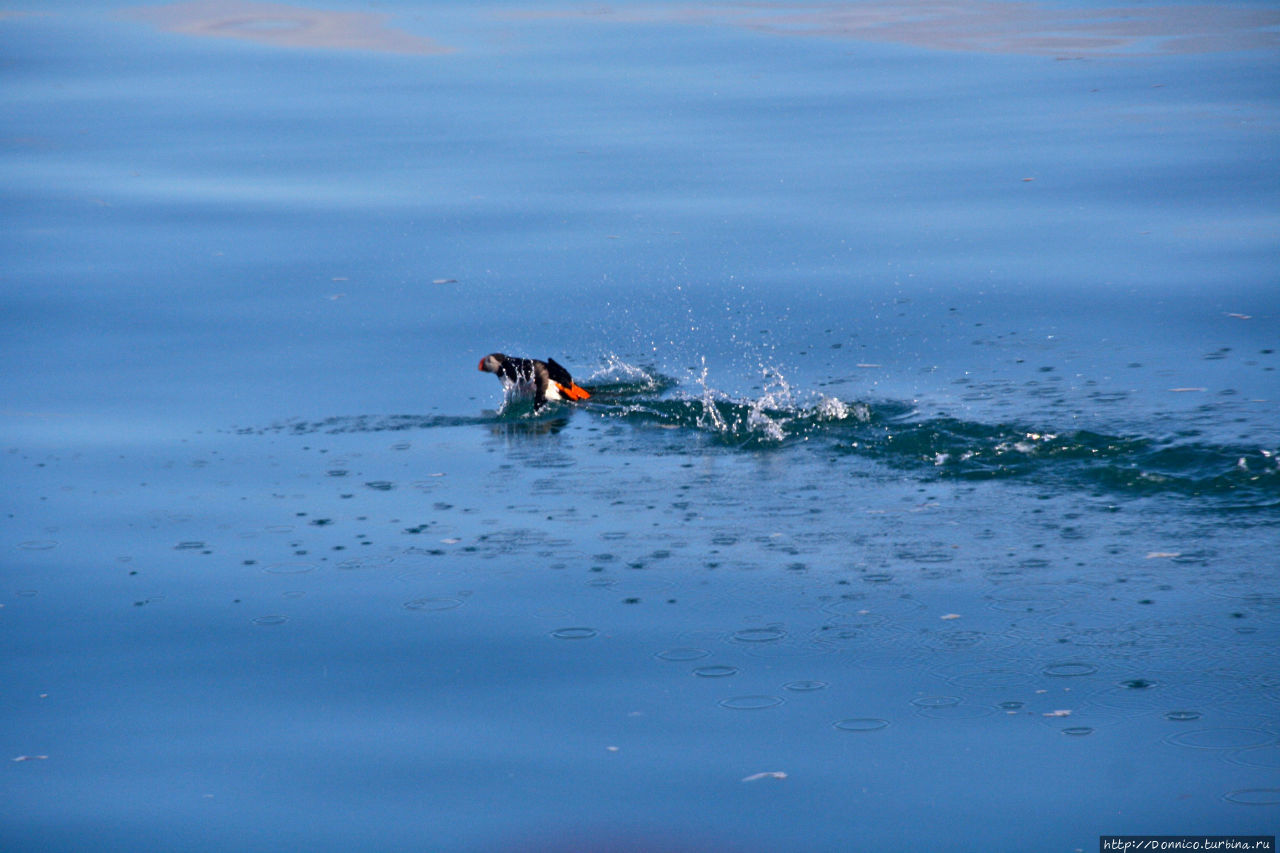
[547, 379]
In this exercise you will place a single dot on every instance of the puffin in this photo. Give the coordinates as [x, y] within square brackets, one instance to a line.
[547, 379]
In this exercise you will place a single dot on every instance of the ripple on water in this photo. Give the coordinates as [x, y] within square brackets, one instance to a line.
[790, 649]
[750, 703]
[634, 586]
[1258, 756]
[950, 708]
[932, 557]
[431, 604]
[1030, 598]
[1078, 731]
[366, 563]
[1254, 796]
[937, 573]
[289, 568]
[1105, 637]
[1221, 738]
[964, 640]
[574, 633]
[805, 686]
[270, 620]
[1153, 694]
[861, 724]
[715, 671]
[875, 607]
[40, 545]
[1182, 716]
[1246, 586]
[682, 654]
[991, 678]
[1069, 669]
[768, 634]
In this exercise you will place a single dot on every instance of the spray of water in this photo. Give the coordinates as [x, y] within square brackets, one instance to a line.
[889, 432]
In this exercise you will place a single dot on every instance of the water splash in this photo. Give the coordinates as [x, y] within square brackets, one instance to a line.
[617, 377]
[892, 433]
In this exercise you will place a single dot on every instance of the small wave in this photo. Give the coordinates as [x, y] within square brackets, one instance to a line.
[371, 423]
[975, 451]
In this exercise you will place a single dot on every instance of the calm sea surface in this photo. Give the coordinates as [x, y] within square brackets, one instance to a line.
[928, 497]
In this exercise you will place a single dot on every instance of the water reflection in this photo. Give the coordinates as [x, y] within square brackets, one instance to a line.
[279, 25]
[1023, 28]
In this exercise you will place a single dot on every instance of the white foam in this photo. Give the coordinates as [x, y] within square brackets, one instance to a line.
[617, 370]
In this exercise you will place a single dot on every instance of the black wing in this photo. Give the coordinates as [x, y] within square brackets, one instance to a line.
[558, 374]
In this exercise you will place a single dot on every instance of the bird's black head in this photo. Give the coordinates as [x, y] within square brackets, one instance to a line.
[492, 363]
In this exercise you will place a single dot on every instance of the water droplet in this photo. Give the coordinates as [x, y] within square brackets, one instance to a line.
[428, 604]
[805, 686]
[750, 703]
[682, 654]
[1221, 738]
[715, 671]
[1138, 683]
[935, 701]
[758, 635]
[861, 724]
[271, 620]
[1069, 669]
[574, 633]
[1012, 706]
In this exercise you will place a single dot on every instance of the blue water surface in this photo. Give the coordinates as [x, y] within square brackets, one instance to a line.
[927, 497]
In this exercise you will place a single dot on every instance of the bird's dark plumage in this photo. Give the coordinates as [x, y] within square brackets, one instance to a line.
[547, 379]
